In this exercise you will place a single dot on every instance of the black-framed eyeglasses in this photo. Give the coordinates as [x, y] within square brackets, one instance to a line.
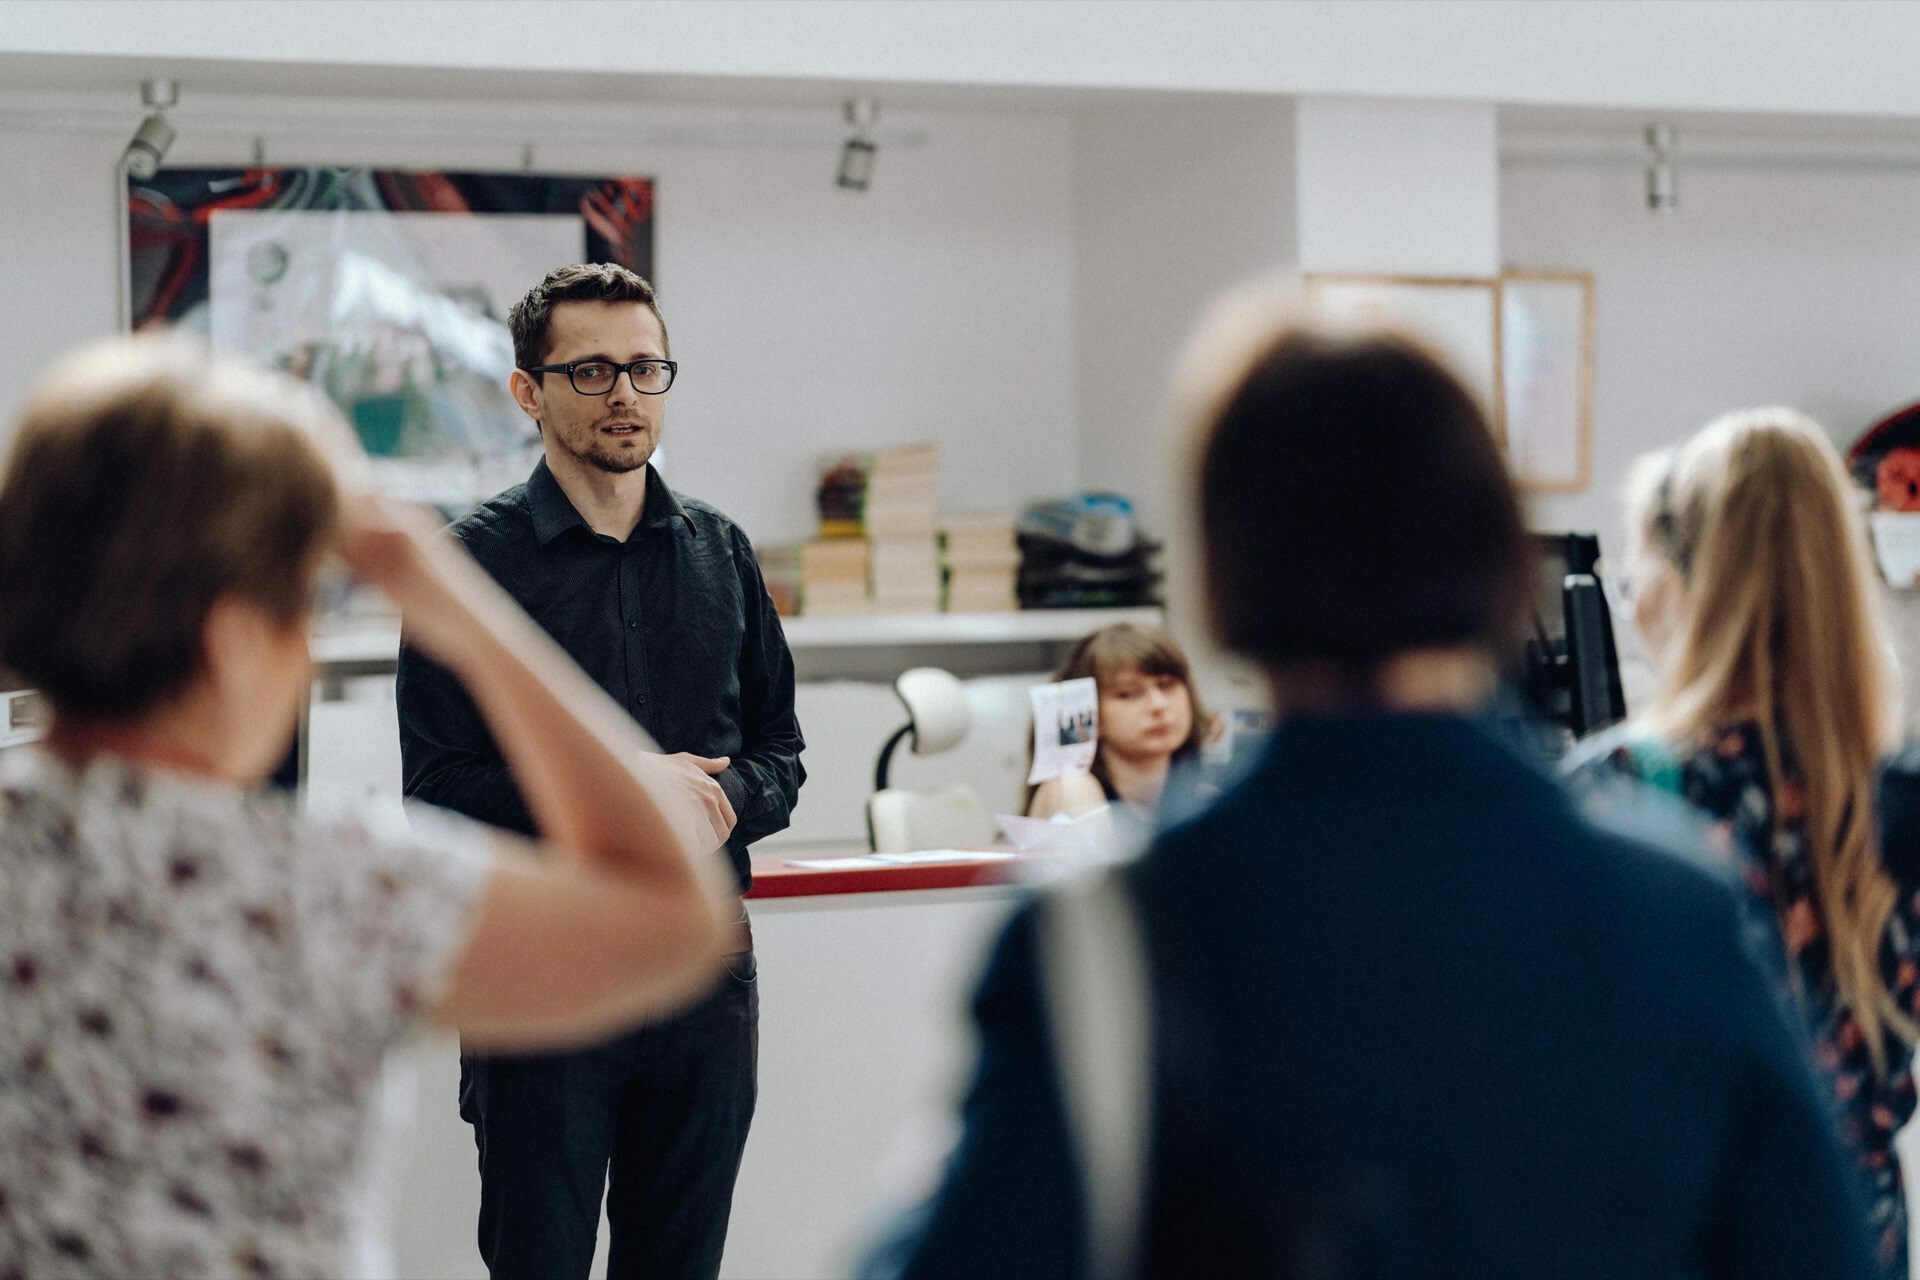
[597, 377]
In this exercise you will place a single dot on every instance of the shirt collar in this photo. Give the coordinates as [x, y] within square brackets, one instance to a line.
[554, 513]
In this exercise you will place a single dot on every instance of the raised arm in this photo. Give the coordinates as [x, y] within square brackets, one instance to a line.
[620, 918]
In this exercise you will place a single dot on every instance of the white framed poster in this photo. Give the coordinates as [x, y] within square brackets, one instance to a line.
[1459, 316]
[1546, 366]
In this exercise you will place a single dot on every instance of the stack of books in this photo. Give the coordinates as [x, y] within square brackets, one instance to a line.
[898, 517]
[902, 493]
[982, 558]
[906, 573]
[833, 577]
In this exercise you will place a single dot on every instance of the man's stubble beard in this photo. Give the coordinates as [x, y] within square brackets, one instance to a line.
[613, 461]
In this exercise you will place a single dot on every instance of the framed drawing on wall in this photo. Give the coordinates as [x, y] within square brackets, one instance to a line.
[1458, 316]
[1546, 342]
[387, 290]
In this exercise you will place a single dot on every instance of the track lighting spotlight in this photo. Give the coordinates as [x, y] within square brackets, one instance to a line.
[148, 146]
[858, 154]
[1663, 183]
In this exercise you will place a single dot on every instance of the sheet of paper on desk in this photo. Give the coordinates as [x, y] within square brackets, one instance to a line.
[834, 864]
[1088, 831]
[939, 855]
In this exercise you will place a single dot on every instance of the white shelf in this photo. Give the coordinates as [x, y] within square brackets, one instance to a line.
[1026, 626]
[868, 631]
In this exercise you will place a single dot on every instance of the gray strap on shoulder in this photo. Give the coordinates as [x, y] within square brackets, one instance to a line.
[1093, 963]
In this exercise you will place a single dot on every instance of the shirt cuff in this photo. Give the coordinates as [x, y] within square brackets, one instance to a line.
[736, 788]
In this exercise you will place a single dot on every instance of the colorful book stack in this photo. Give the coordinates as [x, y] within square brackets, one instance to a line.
[834, 566]
[833, 577]
[982, 557]
[902, 495]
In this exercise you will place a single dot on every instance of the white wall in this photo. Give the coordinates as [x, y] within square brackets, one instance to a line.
[57, 272]
[1397, 188]
[936, 306]
[1790, 287]
[1823, 56]
[1173, 203]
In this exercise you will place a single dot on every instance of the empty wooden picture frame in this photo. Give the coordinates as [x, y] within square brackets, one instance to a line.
[1546, 369]
[1459, 316]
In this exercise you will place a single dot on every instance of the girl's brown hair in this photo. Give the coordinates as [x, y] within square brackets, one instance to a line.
[1782, 628]
[1112, 651]
[145, 481]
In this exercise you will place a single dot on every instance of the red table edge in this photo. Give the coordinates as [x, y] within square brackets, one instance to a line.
[773, 878]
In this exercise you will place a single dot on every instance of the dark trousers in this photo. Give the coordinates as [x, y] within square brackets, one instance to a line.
[657, 1118]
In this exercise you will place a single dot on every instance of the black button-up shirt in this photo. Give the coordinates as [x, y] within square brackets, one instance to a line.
[674, 623]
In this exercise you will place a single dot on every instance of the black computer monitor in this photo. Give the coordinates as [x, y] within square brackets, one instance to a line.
[1571, 669]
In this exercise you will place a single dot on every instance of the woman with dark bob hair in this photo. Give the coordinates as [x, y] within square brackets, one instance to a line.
[201, 984]
[1401, 1012]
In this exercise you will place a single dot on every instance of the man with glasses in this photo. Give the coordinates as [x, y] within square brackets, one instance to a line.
[658, 597]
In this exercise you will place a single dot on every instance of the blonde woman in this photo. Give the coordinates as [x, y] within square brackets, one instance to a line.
[200, 984]
[1752, 590]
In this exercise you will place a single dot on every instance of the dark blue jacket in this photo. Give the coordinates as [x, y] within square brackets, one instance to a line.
[1417, 1018]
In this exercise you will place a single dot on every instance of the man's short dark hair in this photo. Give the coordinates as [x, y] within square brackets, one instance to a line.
[1355, 506]
[532, 316]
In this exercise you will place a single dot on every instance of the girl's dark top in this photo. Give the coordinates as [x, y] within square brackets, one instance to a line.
[1188, 789]
[1417, 1018]
[1761, 836]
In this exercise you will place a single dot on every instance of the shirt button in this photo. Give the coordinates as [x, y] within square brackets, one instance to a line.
[633, 624]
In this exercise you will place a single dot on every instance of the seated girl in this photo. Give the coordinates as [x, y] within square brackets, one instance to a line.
[1151, 727]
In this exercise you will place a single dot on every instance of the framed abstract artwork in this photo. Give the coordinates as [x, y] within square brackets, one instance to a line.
[386, 289]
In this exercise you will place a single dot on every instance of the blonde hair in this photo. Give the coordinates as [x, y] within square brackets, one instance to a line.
[1781, 626]
[145, 481]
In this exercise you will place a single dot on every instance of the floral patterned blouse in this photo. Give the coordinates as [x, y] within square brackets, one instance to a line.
[1764, 836]
[197, 991]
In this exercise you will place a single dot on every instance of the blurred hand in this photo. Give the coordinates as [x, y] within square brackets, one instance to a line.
[399, 548]
[684, 785]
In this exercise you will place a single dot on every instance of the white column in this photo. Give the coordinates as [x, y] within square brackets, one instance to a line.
[1397, 188]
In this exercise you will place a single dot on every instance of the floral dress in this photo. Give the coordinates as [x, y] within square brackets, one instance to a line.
[1763, 836]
